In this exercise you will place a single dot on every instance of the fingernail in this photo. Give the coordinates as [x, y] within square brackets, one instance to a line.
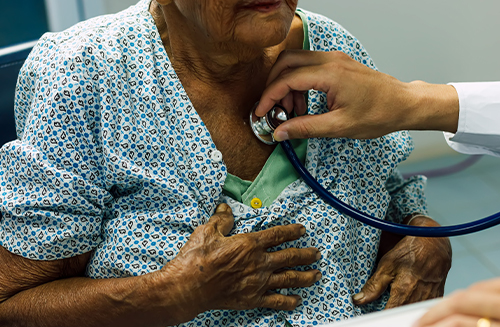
[318, 277]
[299, 301]
[223, 207]
[358, 297]
[303, 230]
[281, 136]
[318, 255]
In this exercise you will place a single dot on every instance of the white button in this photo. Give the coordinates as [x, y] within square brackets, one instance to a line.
[216, 156]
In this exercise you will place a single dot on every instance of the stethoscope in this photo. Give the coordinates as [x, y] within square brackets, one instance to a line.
[263, 128]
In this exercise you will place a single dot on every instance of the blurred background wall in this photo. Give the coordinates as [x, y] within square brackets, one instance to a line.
[438, 41]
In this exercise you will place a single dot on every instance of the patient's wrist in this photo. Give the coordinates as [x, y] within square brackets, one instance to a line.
[166, 298]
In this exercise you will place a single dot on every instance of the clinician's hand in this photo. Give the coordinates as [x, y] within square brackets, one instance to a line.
[216, 271]
[363, 103]
[415, 269]
[465, 308]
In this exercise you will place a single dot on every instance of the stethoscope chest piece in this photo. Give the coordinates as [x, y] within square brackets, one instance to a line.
[263, 127]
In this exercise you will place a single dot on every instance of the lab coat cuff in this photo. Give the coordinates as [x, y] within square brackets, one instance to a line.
[477, 131]
[464, 109]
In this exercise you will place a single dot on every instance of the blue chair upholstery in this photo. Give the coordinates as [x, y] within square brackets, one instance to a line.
[11, 60]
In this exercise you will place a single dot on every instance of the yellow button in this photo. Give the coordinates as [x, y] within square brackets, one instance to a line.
[256, 203]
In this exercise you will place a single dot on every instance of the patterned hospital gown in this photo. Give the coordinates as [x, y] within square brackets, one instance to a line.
[113, 158]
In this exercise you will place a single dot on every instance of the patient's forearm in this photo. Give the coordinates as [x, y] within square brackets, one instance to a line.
[84, 302]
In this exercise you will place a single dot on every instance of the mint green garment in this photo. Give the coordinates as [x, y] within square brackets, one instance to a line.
[306, 45]
[274, 177]
[277, 173]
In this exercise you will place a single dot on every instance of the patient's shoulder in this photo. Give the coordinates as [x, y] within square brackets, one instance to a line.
[326, 34]
[100, 41]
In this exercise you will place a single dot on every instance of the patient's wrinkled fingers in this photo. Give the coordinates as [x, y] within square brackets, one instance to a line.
[280, 302]
[422, 293]
[293, 257]
[396, 299]
[223, 219]
[278, 235]
[293, 278]
[373, 288]
[402, 290]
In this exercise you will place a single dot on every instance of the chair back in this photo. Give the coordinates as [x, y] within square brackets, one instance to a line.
[11, 60]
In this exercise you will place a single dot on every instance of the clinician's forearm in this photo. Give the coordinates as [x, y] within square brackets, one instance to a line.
[431, 107]
[85, 302]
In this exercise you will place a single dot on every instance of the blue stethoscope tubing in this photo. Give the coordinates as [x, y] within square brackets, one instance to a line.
[444, 231]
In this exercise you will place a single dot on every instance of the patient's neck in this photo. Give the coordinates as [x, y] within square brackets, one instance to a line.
[194, 56]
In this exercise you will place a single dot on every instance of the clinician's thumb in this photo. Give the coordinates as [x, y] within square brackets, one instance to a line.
[308, 126]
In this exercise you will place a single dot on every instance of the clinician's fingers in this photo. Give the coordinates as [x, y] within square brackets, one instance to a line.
[308, 126]
[481, 304]
[462, 321]
[290, 59]
[287, 102]
[299, 103]
[301, 79]
[492, 285]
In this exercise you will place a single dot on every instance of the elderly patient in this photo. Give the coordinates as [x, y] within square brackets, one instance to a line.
[137, 195]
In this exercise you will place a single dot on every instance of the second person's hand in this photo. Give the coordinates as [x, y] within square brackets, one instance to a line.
[362, 103]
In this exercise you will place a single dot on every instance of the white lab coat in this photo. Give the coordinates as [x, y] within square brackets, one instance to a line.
[479, 122]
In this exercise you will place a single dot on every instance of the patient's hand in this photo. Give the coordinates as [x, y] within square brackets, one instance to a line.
[415, 269]
[213, 271]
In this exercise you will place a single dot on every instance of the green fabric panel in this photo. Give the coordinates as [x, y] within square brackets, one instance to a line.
[235, 187]
[278, 172]
[276, 175]
[303, 17]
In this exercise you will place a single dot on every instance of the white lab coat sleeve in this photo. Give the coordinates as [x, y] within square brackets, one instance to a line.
[479, 121]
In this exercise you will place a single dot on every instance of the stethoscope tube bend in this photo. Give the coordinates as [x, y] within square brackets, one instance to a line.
[444, 231]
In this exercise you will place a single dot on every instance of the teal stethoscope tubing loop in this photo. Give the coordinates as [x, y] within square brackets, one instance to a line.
[444, 231]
